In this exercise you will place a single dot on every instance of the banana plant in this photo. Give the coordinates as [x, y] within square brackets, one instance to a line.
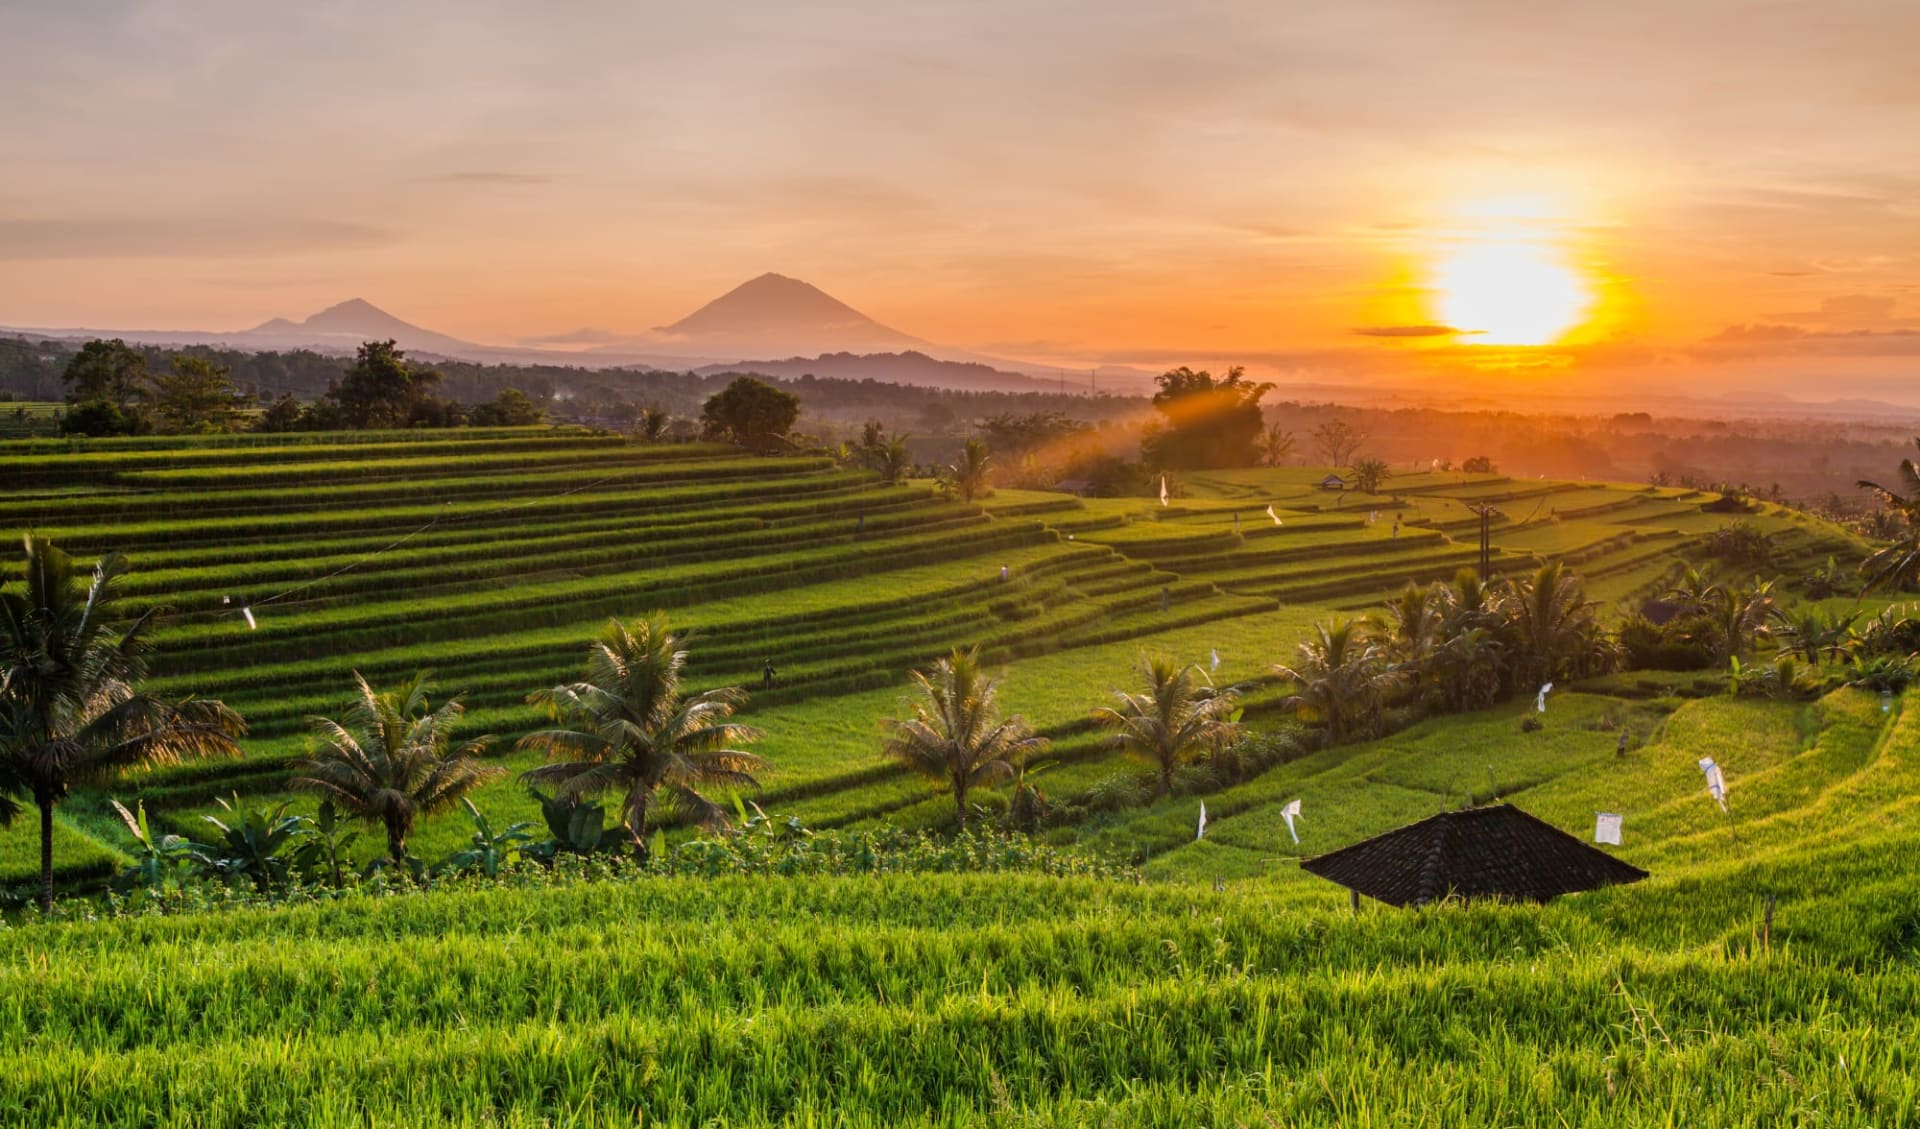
[158, 858]
[324, 850]
[488, 850]
[257, 847]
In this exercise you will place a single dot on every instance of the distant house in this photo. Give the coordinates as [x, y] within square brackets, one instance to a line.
[1497, 852]
[1081, 486]
[1333, 482]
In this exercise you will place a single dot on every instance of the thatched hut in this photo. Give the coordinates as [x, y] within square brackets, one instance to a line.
[1497, 852]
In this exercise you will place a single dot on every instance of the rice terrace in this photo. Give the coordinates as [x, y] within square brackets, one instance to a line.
[875, 565]
[1075, 954]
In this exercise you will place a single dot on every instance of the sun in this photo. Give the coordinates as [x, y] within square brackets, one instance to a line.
[1509, 292]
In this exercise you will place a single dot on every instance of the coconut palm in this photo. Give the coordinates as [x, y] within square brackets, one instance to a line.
[71, 709]
[1556, 629]
[1415, 624]
[1178, 719]
[1341, 678]
[1741, 613]
[628, 728]
[1467, 669]
[389, 762]
[1898, 565]
[954, 732]
[969, 475]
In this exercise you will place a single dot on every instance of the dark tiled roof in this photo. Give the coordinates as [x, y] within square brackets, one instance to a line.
[1488, 852]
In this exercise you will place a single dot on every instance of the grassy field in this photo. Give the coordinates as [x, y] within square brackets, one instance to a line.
[1225, 987]
[491, 557]
[1021, 1000]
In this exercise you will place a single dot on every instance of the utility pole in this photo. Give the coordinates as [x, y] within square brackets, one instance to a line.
[1486, 543]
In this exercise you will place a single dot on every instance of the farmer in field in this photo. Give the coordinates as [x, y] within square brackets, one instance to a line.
[766, 675]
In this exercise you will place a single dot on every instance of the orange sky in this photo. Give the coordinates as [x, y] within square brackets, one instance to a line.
[1115, 180]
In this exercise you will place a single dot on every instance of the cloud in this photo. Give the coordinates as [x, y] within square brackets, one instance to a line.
[1411, 331]
[1762, 340]
[30, 239]
[1747, 334]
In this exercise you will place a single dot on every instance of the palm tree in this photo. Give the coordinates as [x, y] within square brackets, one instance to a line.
[1340, 679]
[1177, 720]
[71, 710]
[969, 475]
[628, 728]
[1369, 473]
[1898, 565]
[955, 733]
[653, 424]
[1740, 614]
[1274, 445]
[389, 763]
[1556, 628]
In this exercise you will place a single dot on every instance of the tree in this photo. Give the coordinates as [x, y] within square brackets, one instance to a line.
[1340, 678]
[653, 423]
[1556, 629]
[1178, 719]
[627, 728]
[1369, 473]
[196, 395]
[1478, 464]
[71, 709]
[1739, 614]
[110, 372]
[954, 733]
[382, 390]
[1207, 422]
[284, 414]
[969, 476]
[510, 408]
[1338, 441]
[1897, 566]
[389, 762]
[1276, 444]
[750, 412]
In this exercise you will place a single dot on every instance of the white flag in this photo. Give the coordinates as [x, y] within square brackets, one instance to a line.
[1716, 781]
[1271, 514]
[1290, 813]
[1540, 703]
[1202, 832]
[248, 612]
[1606, 829]
[1216, 660]
[1163, 489]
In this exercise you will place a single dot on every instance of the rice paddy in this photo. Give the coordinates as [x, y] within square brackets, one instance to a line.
[1226, 986]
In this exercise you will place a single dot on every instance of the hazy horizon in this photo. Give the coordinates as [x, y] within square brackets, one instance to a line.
[1387, 189]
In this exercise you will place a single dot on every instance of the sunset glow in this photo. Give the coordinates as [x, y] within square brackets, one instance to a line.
[1510, 293]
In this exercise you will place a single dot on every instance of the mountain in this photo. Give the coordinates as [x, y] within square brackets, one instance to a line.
[774, 315]
[347, 324]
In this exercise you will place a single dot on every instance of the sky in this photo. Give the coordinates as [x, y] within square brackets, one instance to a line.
[1304, 187]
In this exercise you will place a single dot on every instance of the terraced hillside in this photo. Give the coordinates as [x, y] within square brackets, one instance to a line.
[490, 557]
[873, 1000]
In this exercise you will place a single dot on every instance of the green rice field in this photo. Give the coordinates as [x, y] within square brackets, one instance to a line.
[1217, 983]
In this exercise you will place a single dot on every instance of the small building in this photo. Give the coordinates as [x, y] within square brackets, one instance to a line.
[1084, 487]
[1494, 852]
[1333, 482]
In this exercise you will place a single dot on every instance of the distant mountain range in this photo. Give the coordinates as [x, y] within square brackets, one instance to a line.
[798, 327]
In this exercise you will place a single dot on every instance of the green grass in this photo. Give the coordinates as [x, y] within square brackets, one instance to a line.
[959, 999]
